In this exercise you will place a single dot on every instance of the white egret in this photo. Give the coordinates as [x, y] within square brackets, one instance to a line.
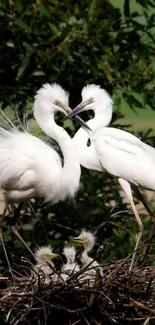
[87, 240]
[44, 269]
[120, 153]
[71, 266]
[30, 167]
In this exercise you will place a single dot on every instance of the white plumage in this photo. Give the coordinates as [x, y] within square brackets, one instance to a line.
[44, 269]
[118, 152]
[123, 155]
[31, 168]
[28, 166]
[71, 266]
[87, 239]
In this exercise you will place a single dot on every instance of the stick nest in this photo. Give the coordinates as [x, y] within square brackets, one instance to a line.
[120, 297]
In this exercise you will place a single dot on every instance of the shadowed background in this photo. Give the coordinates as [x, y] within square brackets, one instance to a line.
[110, 43]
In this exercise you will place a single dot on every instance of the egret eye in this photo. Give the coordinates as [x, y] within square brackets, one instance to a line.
[91, 100]
[60, 104]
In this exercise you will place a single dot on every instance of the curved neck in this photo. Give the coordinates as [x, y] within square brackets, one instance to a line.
[70, 260]
[85, 259]
[87, 154]
[70, 172]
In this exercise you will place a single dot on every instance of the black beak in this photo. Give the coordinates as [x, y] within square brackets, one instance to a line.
[73, 114]
[77, 118]
[79, 121]
[75, 111]
[81, 107]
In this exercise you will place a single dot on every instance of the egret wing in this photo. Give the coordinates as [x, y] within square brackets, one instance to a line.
[124, 155]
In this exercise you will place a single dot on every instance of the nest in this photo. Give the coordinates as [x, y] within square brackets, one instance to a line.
[120, 297]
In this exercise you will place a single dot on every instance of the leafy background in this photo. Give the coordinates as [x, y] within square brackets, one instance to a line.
[110, 43]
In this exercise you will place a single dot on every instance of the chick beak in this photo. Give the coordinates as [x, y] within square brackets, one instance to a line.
[77, 240]
[53, 255]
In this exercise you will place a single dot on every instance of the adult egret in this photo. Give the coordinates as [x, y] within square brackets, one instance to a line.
[71, 266]
[30, 167]
[120, 153]
[87, 239]
[44, 269]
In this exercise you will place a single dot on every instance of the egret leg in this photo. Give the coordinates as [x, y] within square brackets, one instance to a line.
[152, 216]
[14, 227]
[31, 207]
[127, 189]
[16, 212]
[1, 237]
[16, 233]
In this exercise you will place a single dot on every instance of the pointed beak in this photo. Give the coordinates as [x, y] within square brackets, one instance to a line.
[81, 107]
[78, 240]
[81, 122]
[76, 110]
[53, 255]
[66, 110]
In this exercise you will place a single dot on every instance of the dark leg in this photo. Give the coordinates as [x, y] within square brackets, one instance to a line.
[1, 238]
[152, 230]
[127, 189]
[14, 228]
[16, 233]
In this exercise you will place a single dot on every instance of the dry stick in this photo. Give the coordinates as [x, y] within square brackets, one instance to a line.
[140, 305]
[39, 219]
[60, 307]
[87, 322]
[10, 311]
[135, 319]
[75, 322]
[67, 228]
[6, 255]
[16, 233]
[148, 288]
[14, 229]
[104, 222]
[23, 315]
[107, 220]
[16, 213]
[147, 321]
[152, 231]
[118, 226]
[2, 240]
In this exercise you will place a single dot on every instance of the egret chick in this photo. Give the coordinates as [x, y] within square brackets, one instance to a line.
[44, 269]
[71, 266]
[87, 240]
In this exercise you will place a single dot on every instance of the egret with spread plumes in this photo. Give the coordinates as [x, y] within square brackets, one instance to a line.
[44, 269]
[120, 153]
[29, 167]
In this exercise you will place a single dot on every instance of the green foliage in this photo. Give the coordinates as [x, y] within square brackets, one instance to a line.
[75, 43]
